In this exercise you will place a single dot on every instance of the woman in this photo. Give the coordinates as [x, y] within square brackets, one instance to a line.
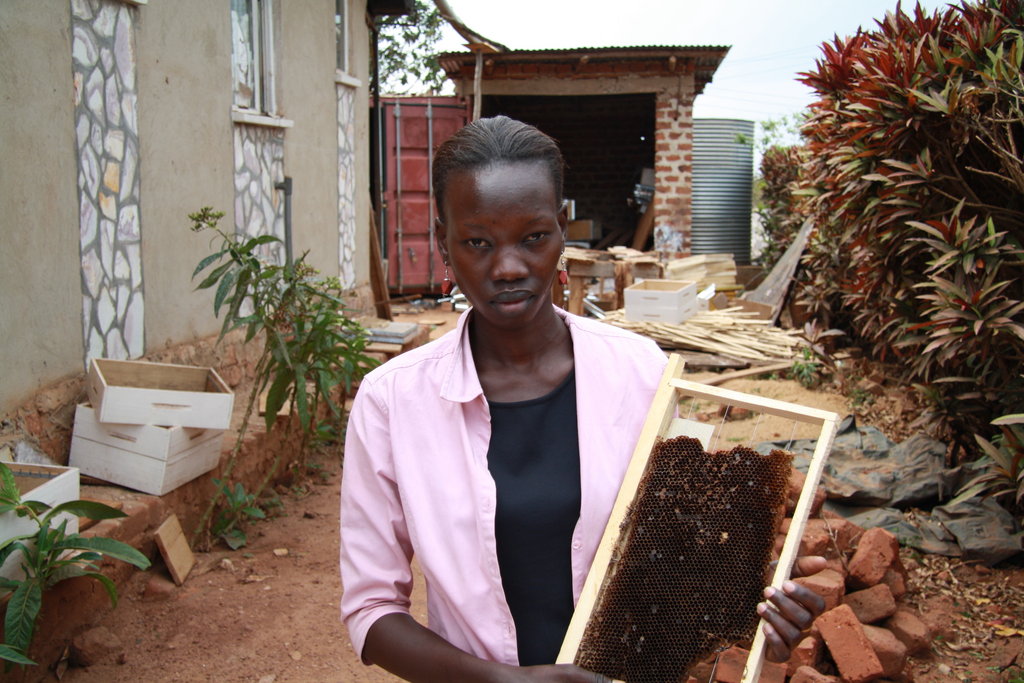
[495, 453]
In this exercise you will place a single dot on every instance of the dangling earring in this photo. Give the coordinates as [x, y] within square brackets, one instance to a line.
[563, 274]
[446, 283]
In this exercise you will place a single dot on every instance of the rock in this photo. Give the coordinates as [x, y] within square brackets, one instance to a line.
[96, 646]
[158, 588]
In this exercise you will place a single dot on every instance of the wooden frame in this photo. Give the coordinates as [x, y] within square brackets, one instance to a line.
[662, 422]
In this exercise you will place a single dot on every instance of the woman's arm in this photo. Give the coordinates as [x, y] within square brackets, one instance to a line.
[397, 643]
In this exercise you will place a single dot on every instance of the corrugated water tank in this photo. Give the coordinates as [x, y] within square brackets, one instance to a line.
[723, 177]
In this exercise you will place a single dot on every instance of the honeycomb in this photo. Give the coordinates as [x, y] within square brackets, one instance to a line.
[690, 564]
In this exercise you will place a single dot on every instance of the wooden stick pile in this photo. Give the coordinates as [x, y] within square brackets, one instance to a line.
[729, 332]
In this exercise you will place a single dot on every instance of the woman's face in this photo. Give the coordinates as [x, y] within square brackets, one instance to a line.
[502, 232]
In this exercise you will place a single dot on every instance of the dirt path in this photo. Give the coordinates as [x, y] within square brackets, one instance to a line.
[250, 615]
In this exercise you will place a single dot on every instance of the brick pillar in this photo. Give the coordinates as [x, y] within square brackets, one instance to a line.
[673, 168]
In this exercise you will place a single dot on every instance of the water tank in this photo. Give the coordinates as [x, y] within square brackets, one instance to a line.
[723, 178]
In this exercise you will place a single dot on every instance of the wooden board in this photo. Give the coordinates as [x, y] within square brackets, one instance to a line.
[772, 290]
[658, 424]
[174, 549]
[378, 278]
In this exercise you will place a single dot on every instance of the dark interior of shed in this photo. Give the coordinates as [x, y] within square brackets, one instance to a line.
[607, 141]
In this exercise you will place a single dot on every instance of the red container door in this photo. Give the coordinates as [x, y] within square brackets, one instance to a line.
[414, 127]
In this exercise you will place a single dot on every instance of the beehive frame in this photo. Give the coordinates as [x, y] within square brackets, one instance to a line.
[661, 422]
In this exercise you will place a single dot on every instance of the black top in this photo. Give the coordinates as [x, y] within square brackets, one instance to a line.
[535, 461]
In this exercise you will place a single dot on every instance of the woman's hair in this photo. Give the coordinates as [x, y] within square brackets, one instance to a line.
[493, 140]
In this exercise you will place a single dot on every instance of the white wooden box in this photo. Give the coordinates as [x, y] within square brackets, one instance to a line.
[142, 393]
[47, 484]
[666, 301]
[146, 458]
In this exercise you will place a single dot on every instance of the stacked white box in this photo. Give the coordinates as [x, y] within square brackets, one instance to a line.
[151, 426]
[148, 458]
[664, 301]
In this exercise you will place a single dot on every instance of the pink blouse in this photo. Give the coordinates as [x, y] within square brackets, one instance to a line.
[416, 480]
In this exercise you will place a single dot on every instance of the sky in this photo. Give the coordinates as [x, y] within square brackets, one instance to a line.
[771, 40]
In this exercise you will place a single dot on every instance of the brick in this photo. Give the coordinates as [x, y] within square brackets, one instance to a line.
[875, 554]
[890, 651]
[850, 648]
[137, 521]
[896, 581]
[827, 583]
[872, 604]
[816, 539]
[910, 630]
[105, 528]
[807, 674]
[806, 653]
[844, 533]
[732, 661]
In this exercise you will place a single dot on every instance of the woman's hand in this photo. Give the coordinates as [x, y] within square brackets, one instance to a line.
[792, 610]
[555, 673]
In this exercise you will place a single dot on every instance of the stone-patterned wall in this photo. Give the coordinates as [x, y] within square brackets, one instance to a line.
[107, 136]
[673, 168]
[346, 186]
[259, 165]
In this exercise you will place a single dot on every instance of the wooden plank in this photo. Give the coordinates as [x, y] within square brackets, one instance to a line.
[790, 547]
[772, 291]
[174, 549]
[644, 227]
[577, 292]
[662, 411]
[378, 279]
[748, 372]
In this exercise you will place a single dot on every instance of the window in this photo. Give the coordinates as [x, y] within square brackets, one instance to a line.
[252, 55]
[340, 33]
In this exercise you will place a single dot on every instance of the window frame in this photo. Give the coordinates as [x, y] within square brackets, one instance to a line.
[261, 54]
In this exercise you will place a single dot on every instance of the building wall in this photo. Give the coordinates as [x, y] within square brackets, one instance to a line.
[40, 299]
[673, 173]
[185, 137]
[110, 274]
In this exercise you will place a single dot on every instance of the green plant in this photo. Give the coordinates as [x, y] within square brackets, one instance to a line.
[312, 352]
[777, 207]
[1003, 464]
[50, 555]
[239, 507]
[914, 182]
[806, 369]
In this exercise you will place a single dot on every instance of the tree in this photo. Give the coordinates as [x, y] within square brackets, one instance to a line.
[405, 51]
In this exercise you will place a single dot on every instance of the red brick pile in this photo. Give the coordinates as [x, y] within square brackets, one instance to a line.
[865, 634]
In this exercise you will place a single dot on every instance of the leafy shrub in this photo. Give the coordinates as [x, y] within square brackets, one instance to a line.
[915, 184]
[48, 556]
[312, 352]
[1002, 466]
[777, 210]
